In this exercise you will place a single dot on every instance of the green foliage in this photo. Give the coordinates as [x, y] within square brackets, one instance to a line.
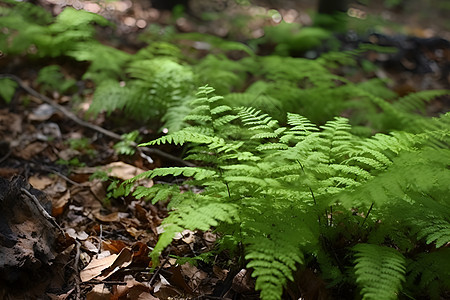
[125, 146]
[7, 89]
[30, 29]
[379, 270]
[51, 79]
[291, 38]
[273, 187]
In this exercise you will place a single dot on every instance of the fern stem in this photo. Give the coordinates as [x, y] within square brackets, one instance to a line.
[368, 213]
[310, 190]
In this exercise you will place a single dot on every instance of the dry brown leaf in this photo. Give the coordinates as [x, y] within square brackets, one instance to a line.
[10, 122]
[59, 204]
[90, 246]
[68, 154]
[112, 217]
[242, 282]
[81, 235]
[40, 182]
[122, 170]
[98, 189]
[123, 260]
[96, 267]
[29, 151]
[114, 246]
[220, 273]
[195, 275]
[99, 292]
[58, 187]
[177, 279]
[133, 290]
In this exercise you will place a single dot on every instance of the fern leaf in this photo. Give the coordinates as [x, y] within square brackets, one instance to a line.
[430, 272]
[379, 271]
[437, 231]
[416, 101]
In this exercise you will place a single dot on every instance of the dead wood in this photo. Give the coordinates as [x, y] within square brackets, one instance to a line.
[27, 239]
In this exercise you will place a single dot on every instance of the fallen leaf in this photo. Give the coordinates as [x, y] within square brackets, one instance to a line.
[81, 235]
[242, 282]
[123, 260]
[90, 246]
[133, 290]
[59, 204]
[29, 151]
[114, 246]
[99, 292]
[40, 182]
[122, 170]
[112, 217]
[42, 113]
[96, 267]
[220, 273]
[195, 275]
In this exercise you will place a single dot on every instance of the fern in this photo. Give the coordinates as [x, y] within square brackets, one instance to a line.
[7, 89]
[380, 271]
[64, 34]
[272, 186]
[429, 272]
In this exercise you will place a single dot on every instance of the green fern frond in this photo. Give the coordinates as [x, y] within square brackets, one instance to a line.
[109, 96]
[429, 272]
[435, 231]
[216, 42]
[416, 101]
[157, 193]
[194, 212]
[379, 271]
[106, 63]
[7, 89]
[180, 138]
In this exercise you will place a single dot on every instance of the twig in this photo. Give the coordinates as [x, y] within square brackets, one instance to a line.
[99, 129]
[157, 272]
[49, 218]
[77, 273]
[368, 213]
[61, 175]
[92, 281]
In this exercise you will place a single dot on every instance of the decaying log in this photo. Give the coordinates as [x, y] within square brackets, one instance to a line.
[27, 237]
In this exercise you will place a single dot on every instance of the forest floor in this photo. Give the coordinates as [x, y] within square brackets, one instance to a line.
[103, 250]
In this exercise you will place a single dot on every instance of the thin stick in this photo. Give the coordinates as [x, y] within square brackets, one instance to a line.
[49, 218]
[368, 213]
[61, 175]
[77, 273]
[157, 272]
[92, 281]
[94, 127]
[310, 190]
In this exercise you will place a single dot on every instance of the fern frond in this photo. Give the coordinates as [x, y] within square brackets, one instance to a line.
[216, 42]
[435, 231]
[416, 101]
[379, 271]
[194, 212]
[429, 272]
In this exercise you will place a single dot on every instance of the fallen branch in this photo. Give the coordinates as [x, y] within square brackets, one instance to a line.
[42, 210]
[94, 127]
